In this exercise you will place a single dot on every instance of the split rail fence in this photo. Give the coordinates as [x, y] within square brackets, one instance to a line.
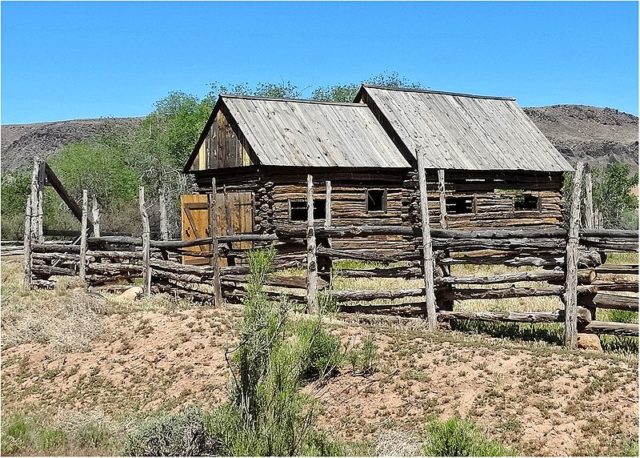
[568, 264]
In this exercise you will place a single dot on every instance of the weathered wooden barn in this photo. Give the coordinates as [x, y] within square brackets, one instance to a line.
[483, 155]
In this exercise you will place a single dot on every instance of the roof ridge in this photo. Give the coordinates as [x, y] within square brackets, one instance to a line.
[282, 99]
[429, 91]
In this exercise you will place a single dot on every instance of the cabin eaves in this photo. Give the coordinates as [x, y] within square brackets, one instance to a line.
[463, 131]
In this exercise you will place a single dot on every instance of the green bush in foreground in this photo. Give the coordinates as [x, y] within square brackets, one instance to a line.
[456, 437]
[323, 350]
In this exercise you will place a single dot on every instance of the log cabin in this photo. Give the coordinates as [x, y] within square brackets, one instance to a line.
[487, 164]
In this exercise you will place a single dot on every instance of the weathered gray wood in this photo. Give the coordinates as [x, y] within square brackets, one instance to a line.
[427, 253]
[512, 317]
[164, 223]
[146, 245]
[571, 263]
[176, 244]
[606, 327]
[610, 233]
[547, 276]
[608, 301]
[215, 254]
[588, 202]
[620, 269]
[327, 218]
[26, 283]
[82, 268]
[443, 199]
[312, 258]
[95, 216]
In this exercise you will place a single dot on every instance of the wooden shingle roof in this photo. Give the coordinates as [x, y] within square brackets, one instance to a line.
[285, 132]
[465, 132]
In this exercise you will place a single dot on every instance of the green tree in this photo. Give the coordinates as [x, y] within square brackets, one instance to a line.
[612, 195]
[347, 92]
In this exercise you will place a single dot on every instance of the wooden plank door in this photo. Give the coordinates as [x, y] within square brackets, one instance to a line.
[235, 216]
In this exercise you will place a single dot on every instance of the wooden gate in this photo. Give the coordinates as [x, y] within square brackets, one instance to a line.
[234, 216]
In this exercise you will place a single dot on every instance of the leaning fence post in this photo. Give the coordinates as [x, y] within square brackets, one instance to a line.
[427, 251]
[146, 246]
[312, 261]
[215, 254]
[164, 225]
[27, 246]
[571, 263]
[589, 220]
[37, 184]
[95, 217]
[83, 236]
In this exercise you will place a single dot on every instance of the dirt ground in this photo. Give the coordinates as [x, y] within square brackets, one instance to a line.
[539, 398]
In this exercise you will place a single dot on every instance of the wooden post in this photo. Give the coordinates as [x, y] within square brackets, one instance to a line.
[37, 185]
[146, 245]
[427, 251]
[443, 200]
[215, 255]
[312, 261]
[83, 236]
[589, 220]
[27, 246]
[571, 263]
[95, 217]
[327, 211]
[164, 223]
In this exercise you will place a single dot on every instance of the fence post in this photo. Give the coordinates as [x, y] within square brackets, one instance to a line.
[95, 216]
[27, 246]
[443, 199]
[146, 246]
[83, 236]
[37, 185]
[312, 261]
[215, 255]
[571, 263]
[327, 207]
[427, 251]
[589, 220]
[164, 224]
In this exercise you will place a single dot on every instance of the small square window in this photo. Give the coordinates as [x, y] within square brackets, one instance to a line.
[298, 209]
[459, 205]
[376, 200]
[526, 202]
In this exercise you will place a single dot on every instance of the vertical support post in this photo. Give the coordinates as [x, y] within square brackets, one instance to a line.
[427, 250]
[26, 284]
[227, 211]
[95, 217]
[443, 200]
[215, 254]
[37, 183]
[146, 245]
[83, 236]
[164, 223]
[327, 211]
[571, 263]
[312, 261]
[589, 219]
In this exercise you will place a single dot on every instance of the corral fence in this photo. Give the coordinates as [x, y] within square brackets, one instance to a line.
[310, 269]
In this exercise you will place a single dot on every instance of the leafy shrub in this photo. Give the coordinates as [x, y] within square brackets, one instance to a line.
[323, 350]
[15, 430]
[363, 357]
[456, 437]
[183, 434]
[93, 435]
[51, 438]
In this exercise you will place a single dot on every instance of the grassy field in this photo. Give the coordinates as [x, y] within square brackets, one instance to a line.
[80, 371]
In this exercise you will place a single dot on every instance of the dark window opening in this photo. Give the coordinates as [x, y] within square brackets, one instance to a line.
[376, 200]
[459, 205]
[298, 209]
[526, 202]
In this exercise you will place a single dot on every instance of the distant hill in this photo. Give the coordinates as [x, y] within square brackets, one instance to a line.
[22, 142]
[597, 135]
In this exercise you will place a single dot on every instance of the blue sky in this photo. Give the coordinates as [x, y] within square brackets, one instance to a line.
[71, 60]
